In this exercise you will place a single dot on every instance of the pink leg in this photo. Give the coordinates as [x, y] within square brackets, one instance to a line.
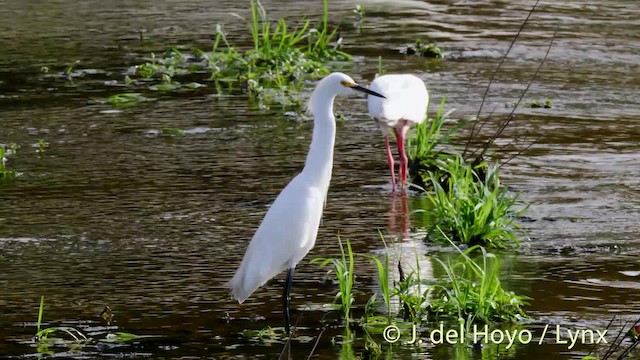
[404, 162]
[390, 162]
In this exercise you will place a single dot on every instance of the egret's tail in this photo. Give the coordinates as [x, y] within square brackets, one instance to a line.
[239, 288]
[249, 277]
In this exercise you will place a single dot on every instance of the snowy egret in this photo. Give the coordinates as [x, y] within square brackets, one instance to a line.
[289, 229]
[405, 104]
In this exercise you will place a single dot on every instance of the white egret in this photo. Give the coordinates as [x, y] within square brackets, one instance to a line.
[289, 229]
[404, 104]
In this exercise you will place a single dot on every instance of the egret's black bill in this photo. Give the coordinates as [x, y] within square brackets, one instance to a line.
[365, 90]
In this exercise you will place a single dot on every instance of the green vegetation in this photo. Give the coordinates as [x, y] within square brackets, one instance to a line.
[273, 71]
[42, 335]
[172, 131]
[344, 274]
[468, 292]
[536, 103]
[429, 50]
[126, 99]
[359, 12]
[472, 290]
[471, 206]
[42, 146]
[466, 200]
[6, 174]
[71, 338]
[421, 146]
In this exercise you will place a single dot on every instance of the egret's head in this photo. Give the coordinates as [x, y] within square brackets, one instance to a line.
[334, 84]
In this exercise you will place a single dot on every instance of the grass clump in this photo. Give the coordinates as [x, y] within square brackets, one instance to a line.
[471, 206]
[71, 338]
[172, 131]
[422, 143]
[537, 103]
[343, 268]
[472, 290]
[272, 71]
[42, 335]
[126, 99]
[5, 173]
[429, 50]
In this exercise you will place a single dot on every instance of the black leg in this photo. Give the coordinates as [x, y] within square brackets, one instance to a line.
[285, 300]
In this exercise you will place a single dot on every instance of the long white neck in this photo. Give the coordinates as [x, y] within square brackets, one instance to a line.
[320, 158]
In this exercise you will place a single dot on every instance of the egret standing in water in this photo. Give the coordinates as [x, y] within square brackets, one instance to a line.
[289, 229]
[404, 104]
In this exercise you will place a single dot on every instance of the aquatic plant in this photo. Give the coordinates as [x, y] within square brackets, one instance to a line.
[42, 335]
[358, 12]
[273, 71]
[5, 173]
[343, 268]
[41, 147]
[383, 280]
[422, 143]
[470, 205]
[430, 50]
[172, 131]
[412, 295]
[73, 339]
[537, 103]
[126, 99]
[472, 290]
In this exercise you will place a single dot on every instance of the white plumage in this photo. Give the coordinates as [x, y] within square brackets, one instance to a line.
[289, 229]
[287, 233]
[405, 104]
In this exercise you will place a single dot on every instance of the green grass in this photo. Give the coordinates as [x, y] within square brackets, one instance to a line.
[429, 50]
[172, 131]
[472, 207]
[424, 143]
[343, 268]
[126, 99]
[273, 71]
[537, 103]
[383, 280]
[5, 173]
[72, 339]
[472, 290]
[42, 335]
[467, 291]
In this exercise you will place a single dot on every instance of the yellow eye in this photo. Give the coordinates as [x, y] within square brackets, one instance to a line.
[346, 83]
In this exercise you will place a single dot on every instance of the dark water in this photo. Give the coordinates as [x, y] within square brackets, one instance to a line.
[114, 214]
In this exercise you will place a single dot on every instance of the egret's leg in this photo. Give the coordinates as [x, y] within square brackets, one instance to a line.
[404, 162]
[392, 169]
[286, 297]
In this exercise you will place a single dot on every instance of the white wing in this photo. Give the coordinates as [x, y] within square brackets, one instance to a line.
[287, 233]
[406, 98]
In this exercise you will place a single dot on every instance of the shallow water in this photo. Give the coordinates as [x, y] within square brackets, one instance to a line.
[114, 214]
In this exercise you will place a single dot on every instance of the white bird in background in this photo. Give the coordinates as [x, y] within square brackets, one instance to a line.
[289, 229]
[404, 104]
